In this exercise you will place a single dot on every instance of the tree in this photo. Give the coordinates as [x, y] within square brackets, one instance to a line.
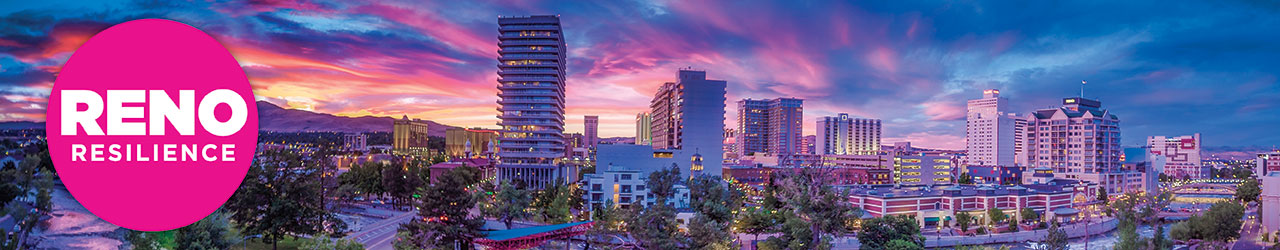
[756, 221]
[878, 233]
[1056, 239]
[1102, 195]
[898, 244]
[962, 220]
[809, 195]
[715, 206]
[366, 178]
[554, 204]
[655, 227]
[1248, 191]
[1158, 240]
[324, 242]
[1029, 215]
[280, 197]
[508, 204]
[1220, 224]
[996, 216]
[212, 232]
[444, 215]
[965, 179]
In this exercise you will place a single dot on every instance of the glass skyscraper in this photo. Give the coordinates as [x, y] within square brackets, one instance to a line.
[531, 78]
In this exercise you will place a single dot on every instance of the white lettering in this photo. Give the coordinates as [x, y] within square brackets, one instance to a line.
[86, 119]
[239, 112]
[162, 108]
[116, 112]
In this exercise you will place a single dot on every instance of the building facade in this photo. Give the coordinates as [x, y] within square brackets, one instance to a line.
[531, 84]
[624, 187]
[470, 142]
[1182, 155]
[644, 136]
[1079, 141]
[770, 126]
[355, 142]
[930, 206]
[1267, 163]
[923, 170]
[990, 130]
[409, 136]
[590, 131]
[995, 175]
[687, 119]
[1270, 196]
[843, 135]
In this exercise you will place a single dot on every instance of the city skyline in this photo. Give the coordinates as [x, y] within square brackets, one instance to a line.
[911, 66]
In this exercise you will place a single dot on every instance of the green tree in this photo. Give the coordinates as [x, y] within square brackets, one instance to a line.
[898, 244]
[280, 197]
[212, 232]
[963, 219]
[444, 214]
[878, 233]
[996, 216]
[367, 178]
[1159, 241]
[655, 227]
[715, 206]
[808, 194]
[1057, 238]
[965, 179]
[1029, 215]
[1248, 191]
[1220, 224]
[509, 204]
[1102, 195]
[554, 204]
[324, 242]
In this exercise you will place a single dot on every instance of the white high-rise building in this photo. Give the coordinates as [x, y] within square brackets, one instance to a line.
[1080, 141]
[644, 136]
[1182, 155]
[843, 135]
[990, 131]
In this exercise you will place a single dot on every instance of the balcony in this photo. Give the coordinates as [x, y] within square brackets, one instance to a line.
[528, 79]
[528, 56]
[532, 116]
[505, 101]
[519, 27]
[521, 42]
[528, 49]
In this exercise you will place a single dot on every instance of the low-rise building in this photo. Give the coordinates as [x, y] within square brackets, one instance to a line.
[934, 206]
[923, 169]
[624, 187]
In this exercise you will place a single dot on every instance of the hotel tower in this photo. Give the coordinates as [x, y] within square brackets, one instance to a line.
[531, 78]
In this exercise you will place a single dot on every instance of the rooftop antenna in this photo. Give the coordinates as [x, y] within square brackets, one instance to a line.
[1082, 83]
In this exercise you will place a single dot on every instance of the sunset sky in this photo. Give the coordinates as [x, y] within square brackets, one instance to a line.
[1165, 68]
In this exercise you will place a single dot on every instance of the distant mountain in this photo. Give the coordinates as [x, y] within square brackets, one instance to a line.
[1234, 152]
[276, 119]
[21, 125]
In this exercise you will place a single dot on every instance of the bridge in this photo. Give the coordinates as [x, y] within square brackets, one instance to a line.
[1208, 186]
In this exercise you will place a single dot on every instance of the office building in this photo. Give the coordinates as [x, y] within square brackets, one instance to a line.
[355, 142]
[409, 136]
[843, 135]
[687, 119]
[590, 131]
[644, 134]
[470, 142]
[1267, 163]
[1079, 141]
[1271, 197]
[1182, 155]
[531, 84]
[770, 126]
[923, 169]
[808, 144]
[990, 130]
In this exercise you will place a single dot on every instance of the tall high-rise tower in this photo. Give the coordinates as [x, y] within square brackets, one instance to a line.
[990, 131]
[1078, 141]
[844, 135]
[531, 79]
[769, 126]
[644, 132]
[590, 131]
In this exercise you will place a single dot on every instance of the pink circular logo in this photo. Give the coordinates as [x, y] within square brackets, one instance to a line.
[152, 125]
